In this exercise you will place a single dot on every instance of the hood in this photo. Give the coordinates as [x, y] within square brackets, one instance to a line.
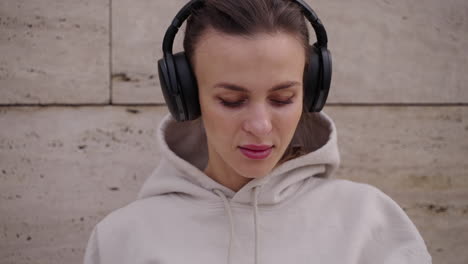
[358, 224]
[184, 156]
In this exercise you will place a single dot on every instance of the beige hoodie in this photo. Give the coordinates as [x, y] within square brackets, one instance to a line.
[295, 214]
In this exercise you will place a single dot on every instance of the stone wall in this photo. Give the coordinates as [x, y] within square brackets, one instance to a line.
[80, 103]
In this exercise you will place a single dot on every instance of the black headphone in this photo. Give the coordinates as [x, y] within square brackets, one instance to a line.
[179, 85]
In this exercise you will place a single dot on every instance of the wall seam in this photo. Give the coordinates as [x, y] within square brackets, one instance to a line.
[110, 54]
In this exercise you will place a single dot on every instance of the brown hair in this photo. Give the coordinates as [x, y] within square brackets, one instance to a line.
[247, 18]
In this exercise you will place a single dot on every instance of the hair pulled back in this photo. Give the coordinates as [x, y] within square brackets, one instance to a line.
[245, 18]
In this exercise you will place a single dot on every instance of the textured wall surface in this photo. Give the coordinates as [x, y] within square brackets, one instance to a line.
[54, 51]
[80, 103]
[384, 51]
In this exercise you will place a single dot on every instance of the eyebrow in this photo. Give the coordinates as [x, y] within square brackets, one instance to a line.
[238, 88]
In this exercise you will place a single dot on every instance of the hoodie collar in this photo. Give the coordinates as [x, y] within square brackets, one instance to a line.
[184, 156]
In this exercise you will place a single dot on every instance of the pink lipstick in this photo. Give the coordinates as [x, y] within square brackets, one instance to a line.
[256, 151]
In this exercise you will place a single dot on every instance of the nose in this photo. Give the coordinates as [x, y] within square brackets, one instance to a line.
[258, 120]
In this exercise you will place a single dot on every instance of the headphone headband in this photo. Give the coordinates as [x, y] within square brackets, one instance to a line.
[186, 10]
[177, 22]
[179, 84]
[322, 39]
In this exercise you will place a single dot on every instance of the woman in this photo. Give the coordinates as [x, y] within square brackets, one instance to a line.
[248, 180]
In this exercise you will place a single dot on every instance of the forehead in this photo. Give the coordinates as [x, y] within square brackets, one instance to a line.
[260, 59]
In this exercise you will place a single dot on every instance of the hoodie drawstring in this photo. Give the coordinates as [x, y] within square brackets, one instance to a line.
[227, 207]
[255, 201]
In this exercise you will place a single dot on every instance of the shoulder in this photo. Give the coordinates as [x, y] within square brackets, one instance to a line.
[368, 197]
[134, 218]
[352, 191]
[126, 228]
[382, 228]
[361, 204]
[135, 210]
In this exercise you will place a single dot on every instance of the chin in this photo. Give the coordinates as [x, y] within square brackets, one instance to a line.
[250, 168]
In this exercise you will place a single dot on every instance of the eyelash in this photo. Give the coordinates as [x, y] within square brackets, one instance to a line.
[239, 103]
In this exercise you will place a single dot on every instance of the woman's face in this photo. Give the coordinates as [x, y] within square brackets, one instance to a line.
[250, 92]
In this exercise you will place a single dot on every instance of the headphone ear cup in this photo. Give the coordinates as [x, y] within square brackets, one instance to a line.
[326, 73]
[311, 78]
[166, 89]
[317, 78]
[188, 86]
[185, 106]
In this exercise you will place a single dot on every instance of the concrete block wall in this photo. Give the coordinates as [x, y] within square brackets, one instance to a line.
[80, 103]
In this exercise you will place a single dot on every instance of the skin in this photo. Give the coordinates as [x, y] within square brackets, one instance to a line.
[255, 114]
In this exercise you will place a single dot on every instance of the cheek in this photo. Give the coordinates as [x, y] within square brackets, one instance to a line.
[287, 120]
[220, 125]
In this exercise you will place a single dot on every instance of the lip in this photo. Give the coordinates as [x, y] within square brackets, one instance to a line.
[256, 151]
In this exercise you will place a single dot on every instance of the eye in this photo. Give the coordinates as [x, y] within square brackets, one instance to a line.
[279, 102]
[232, 104]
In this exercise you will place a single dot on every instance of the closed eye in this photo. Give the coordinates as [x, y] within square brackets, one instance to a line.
[276, 101]
[282, 102]
[232, 104]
